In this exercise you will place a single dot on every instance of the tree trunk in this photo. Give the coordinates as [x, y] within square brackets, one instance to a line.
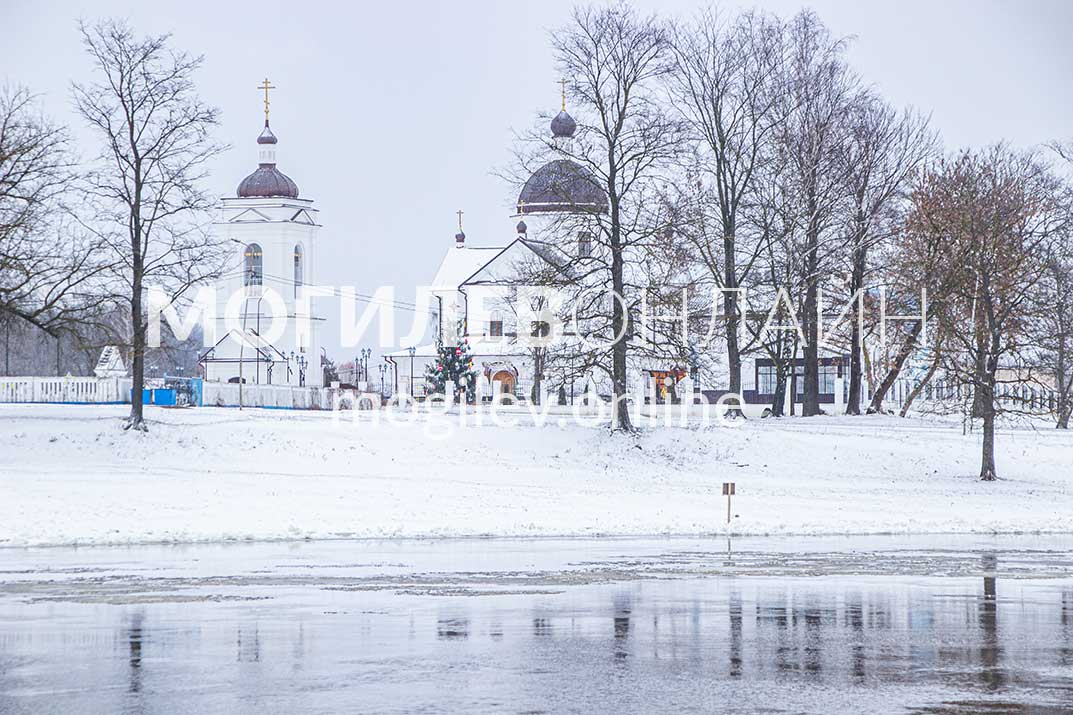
[1061, 384]
[987, 464]
[136, 420]
[985, 399]
[620, 409]
[810, 401]
[853, 402]
[538, 375]
[896, 368]
[730, 308]
[811, 397]
[778, 400]
[927, 378]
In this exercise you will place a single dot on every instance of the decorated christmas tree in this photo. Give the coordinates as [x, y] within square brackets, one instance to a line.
[453, 373]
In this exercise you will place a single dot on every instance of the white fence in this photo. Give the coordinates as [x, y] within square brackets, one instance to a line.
[89, 390]
[947, 396]
[223, 394]
[64, 389]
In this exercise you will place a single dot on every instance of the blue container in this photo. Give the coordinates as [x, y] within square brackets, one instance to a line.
[165, 398]
[147, 396]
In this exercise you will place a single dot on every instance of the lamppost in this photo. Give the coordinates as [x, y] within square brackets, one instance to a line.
[365, 354]
[412, 351]
[302, 362]
[383, 369]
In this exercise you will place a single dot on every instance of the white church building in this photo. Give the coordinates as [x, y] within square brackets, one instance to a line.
[474, 285]
[267, 330]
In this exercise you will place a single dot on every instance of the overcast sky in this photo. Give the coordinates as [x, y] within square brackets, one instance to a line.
[392, 116]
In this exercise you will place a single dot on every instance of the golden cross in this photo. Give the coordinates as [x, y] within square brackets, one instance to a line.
[563, 83]
[266, 86]
[521, 207]
[460, 212]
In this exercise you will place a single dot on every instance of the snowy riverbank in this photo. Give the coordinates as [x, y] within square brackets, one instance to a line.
[68, 474]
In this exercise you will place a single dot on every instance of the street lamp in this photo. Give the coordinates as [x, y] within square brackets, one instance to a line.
[412, 351]
[383, 369]
[302, 363]
[365, 354]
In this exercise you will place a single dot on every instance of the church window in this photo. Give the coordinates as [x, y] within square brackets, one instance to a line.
[253, 273]
[541, 329]
[495, 328]
[298, 268]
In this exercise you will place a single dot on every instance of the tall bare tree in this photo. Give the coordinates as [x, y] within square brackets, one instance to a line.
[822, 87]
[729, 85]
[616, 62]
[883, 150]
[155, 142]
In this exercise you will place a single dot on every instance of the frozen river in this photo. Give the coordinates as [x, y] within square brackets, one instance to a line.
[847, 624]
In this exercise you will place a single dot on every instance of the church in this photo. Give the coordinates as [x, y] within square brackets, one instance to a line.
[475, 291]
[269, 332]
[267, 329]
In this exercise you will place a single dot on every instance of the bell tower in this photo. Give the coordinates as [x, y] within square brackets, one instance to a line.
[267, 330]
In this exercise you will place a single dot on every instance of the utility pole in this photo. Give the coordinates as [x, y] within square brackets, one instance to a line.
[412, 351]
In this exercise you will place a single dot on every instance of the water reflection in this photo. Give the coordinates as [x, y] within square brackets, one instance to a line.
[982, 644]
[134, 647]
[990, 650]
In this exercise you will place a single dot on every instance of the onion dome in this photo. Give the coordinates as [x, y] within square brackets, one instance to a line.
[460, 239]
[562, 186]
[267, 181]
[266, 136]
[521, 227]
[563, 125]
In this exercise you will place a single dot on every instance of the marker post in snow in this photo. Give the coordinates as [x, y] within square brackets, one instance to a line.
[728, 491]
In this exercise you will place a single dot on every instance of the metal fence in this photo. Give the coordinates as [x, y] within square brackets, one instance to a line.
[945, 396]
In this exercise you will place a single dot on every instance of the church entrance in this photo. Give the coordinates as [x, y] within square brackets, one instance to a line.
[503, 382]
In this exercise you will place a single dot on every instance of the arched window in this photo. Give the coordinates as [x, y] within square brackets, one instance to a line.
[253, 271]
[495, 324]
[298, 268]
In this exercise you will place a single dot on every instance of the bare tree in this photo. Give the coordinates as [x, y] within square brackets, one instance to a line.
[729, 86]
[822, 88]
[882, 153]
[47, 265]
[616, 62]
[155, 142]
[772, 216]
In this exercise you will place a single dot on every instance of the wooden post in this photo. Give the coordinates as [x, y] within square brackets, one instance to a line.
[728, 491]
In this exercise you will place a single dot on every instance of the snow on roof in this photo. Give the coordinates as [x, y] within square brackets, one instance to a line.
[461, 263]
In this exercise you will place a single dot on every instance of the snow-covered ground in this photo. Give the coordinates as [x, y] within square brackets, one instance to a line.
[69, 474]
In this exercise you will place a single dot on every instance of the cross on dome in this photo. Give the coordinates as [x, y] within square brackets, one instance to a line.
[267, 86]
[267, 181]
